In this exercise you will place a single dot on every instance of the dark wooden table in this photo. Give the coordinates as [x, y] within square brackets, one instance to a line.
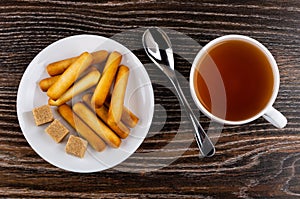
[255, 160]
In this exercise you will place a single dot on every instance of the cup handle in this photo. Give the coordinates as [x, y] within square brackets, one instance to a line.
[275, 117]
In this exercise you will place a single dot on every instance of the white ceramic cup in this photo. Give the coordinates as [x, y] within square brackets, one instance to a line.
[268, 112]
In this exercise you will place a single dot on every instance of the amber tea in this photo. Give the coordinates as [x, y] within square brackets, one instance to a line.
[234, 80]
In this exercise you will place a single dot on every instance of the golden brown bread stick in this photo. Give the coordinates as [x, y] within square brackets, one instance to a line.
[90, 118]
[107, 78]
[49, 81]
[59, 67]
[96, 142]
[86, 82]
[121, 130]
[129, 118]
[46, 83]
[118, 95]
[99, 56]
[69, 76]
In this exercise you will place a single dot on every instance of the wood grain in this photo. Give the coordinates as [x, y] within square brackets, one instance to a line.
[252, 161]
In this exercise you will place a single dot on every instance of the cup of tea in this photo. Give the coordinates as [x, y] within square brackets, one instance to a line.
[234, 80]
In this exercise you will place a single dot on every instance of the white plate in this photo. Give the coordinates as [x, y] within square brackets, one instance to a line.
[139, 98]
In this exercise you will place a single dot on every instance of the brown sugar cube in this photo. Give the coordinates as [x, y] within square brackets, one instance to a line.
[76, 146]
[57, 131]
[42, 115]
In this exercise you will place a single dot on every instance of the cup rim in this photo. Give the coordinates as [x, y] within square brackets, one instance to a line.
[253, 42]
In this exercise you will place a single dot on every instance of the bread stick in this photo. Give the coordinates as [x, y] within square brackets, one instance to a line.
[99, 56]
[107, 78]
[83, 84]
[59, 67]
[97, 125]
[69, 76]
[47, 82]
[128, 117]
[96, 142]
[118, 95]
[121, 130]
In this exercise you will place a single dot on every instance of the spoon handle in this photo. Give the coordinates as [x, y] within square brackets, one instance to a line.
[204, 143]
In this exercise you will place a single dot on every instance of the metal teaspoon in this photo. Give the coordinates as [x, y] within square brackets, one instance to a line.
[159, 49]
